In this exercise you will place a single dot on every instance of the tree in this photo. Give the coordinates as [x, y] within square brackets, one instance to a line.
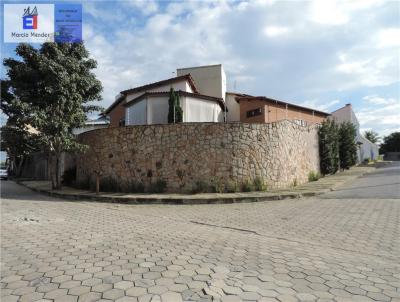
[52, 89]
[329, 147]
[372, 136]
[391, 143]
[19, 144]
[347, 145]
[175, 113]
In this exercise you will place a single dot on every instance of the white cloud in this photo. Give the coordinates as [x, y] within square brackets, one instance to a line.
[323, 106]
[389, 37]
[377, 100]
[273, 31]
[306, 60]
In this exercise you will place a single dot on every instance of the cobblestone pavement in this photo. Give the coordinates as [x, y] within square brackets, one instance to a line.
[289, 250]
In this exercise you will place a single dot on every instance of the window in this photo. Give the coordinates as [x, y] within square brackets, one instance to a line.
[121, 122]
[301, 122]
[254, 112]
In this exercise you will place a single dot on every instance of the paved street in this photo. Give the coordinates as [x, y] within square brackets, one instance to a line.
[333, 248]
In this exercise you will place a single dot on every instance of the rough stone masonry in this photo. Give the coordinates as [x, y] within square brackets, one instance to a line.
[281, 153]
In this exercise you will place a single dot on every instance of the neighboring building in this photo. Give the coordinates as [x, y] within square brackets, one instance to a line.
[260, 109]
[101, 122]
[367, 149]
[203, 98]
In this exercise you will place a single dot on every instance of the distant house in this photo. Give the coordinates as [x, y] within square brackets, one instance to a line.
[203, 98]
[101, 122]
[367, 149]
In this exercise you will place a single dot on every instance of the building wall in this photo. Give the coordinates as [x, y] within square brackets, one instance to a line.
[120, 112]
[281, 153]
[209, 80]
[233, 113]
[366, 149]
[273, 112]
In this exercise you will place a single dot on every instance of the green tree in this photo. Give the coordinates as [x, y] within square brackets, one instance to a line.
[372, 136]
[175, 113]
[19, 144]
[391, 143]
[53, 88]
[328, 147]
[347, 145]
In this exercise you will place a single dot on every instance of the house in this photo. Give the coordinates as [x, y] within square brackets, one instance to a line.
[367, 149]
[203, 98]
[100, 122]
[260, 109]
[148, 104]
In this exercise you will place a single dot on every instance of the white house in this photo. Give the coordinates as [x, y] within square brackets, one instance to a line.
[200, 98]
[367, 149]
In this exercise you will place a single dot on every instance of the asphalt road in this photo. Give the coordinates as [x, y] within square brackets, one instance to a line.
[383, 183]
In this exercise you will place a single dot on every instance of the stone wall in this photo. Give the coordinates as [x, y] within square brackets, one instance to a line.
[281, 153]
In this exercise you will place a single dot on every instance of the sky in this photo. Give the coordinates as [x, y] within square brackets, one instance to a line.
[320, 54]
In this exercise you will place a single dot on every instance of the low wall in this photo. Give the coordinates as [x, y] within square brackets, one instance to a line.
[281, 153]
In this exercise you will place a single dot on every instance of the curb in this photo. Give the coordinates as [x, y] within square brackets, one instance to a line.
[185, 201]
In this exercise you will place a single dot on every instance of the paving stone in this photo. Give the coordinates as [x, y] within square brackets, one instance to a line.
[113, 294]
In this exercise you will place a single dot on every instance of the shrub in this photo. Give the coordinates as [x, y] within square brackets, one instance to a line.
[347, 145]
[110, 184]
[295, 182]
[218, 186]
[259, 184]
[200, 186]
[232, 187]
[133, 187]
[328, 135]
[247, 186]
[313, 176]
[69, 177]
[85, 184]
[158, 187]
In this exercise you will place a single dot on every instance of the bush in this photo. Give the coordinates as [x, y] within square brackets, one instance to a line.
[133, 187]
[232, 187]
[69, 177]
[259, 184]
[85, 184]
[200, 186]
[347, 145]
[328, 135]
[218, 186]
[313, 176]
[158, 187]
[247, 186]
[110, 184]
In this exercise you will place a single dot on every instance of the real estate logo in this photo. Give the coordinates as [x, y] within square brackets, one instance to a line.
[59, 22]
[30, 18]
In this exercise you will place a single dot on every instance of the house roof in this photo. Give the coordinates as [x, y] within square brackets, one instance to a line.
[181, 93]
[263, 98]
[123, 93]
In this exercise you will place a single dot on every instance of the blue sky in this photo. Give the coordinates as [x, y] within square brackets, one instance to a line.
[321, 54]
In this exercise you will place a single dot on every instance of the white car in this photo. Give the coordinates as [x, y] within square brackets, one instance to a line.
[3, 174]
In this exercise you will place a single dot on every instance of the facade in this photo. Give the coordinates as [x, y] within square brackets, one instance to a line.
[101, 122]
[366, 149]
[259, 109]
[203, 98]
[146, 105]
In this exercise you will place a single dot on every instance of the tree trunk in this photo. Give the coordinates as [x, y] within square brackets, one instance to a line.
[51, 170]
[58, 171]
[97, 184]
[18, 171]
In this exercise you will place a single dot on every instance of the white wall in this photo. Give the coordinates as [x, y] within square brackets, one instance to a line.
[137, 113]
[209, 80]
[199, 110]
[157, 110]
[233, 114]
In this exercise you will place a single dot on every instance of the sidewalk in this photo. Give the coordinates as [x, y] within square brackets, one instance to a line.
[321, 186]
